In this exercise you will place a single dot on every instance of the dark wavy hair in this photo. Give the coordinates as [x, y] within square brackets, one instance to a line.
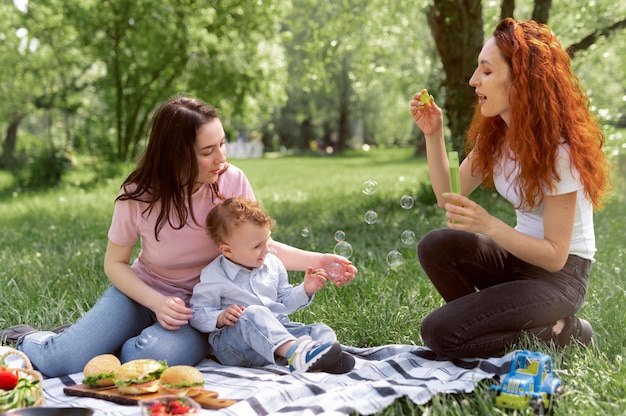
[548, 106]
[168, 168]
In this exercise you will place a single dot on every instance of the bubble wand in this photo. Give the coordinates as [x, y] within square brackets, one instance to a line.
[455, 176]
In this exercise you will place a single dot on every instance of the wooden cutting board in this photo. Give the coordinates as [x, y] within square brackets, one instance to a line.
[207, 399]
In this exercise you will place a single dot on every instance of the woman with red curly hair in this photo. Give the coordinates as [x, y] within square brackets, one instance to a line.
[534, 139]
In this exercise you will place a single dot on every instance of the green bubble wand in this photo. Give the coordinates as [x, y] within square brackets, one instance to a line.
[455, 176]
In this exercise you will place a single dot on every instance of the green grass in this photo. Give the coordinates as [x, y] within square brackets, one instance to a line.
[53, 242]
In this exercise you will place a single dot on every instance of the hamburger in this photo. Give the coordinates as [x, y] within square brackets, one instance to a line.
[100, 370]
[139, 376]
[181, 380]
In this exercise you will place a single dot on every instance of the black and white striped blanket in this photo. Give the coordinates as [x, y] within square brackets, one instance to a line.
[382, 375]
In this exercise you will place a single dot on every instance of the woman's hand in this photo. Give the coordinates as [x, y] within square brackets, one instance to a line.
[173, 313]
[314, 281]
[466, 215]
[426, 114]
[348, 271]
[297, 259]
[230, 315]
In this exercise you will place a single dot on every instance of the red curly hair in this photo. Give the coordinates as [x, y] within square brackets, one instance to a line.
[548, 107]
[224, 219]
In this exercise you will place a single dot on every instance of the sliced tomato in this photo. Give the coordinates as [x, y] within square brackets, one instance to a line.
[8, 379]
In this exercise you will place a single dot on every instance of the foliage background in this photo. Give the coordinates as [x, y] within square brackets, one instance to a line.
[83, 76]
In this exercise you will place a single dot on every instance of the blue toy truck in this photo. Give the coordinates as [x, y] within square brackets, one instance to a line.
[529, 382]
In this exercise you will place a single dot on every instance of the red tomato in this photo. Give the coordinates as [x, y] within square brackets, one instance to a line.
[157, 407]
[8, 379]
[178, 408]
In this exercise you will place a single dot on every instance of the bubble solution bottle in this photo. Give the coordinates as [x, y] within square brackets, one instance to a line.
[455, 177]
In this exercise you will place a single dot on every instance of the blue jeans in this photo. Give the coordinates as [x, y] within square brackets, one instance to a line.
[251, 342]
[491, 296]
[115, 325]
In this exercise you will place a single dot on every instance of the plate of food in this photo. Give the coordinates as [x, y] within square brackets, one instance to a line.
[143, 379]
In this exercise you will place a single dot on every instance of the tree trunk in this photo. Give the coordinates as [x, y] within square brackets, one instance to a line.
[344, 88]
[457, 27]
[507, 9]
[307, 134]
[541, 11]
[10, 141]
[344, 129]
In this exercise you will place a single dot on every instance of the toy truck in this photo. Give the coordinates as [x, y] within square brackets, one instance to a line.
[529, 382]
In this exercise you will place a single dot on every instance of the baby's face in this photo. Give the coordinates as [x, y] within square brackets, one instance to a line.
[249, 245]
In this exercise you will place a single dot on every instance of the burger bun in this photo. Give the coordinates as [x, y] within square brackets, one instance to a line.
[100, 370]
[181, 380]
[139, 376]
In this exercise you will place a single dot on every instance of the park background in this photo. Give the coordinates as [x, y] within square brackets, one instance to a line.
[323, 88]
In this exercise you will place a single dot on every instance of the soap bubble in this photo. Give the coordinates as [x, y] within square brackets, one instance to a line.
[394, 258]
[407, 237]
[334, 270]
[370, 186]
[406, 202]
[305, 232]
[340, 235]
[343, 248]
[371, 217]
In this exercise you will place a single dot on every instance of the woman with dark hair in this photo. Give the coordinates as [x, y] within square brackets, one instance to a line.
[534, 139]
[145, 313]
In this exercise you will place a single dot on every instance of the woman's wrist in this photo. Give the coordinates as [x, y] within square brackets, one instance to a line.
[435, 136]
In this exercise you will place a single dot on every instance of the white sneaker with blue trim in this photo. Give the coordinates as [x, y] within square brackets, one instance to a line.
[307, 354]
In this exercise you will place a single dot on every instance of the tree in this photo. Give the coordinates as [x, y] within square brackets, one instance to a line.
[130, 55]
[45, 69]
[13, 89]
[350, 63]
[237, 59]
[211, 51]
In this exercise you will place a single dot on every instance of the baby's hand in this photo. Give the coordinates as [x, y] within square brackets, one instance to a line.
[230, 315]
[314, 280]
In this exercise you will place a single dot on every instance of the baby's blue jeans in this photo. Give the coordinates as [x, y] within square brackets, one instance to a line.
[252, 341]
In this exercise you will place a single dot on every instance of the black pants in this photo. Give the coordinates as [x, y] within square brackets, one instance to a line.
[492, 296]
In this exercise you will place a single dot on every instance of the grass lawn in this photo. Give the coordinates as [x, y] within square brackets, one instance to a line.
[53, 243]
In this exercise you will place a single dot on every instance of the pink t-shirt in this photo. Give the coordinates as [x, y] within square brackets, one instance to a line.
[172, 265]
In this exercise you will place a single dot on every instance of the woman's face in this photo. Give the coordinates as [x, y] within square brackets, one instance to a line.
[492, 82]
[210, 151]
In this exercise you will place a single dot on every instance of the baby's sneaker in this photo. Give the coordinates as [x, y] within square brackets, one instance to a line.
[344, 364]
[307, 354]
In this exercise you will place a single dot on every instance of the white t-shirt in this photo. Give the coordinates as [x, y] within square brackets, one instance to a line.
[172, 265]
[583, 242]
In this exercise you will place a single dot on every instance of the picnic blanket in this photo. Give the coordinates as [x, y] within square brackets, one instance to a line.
[381, 375]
